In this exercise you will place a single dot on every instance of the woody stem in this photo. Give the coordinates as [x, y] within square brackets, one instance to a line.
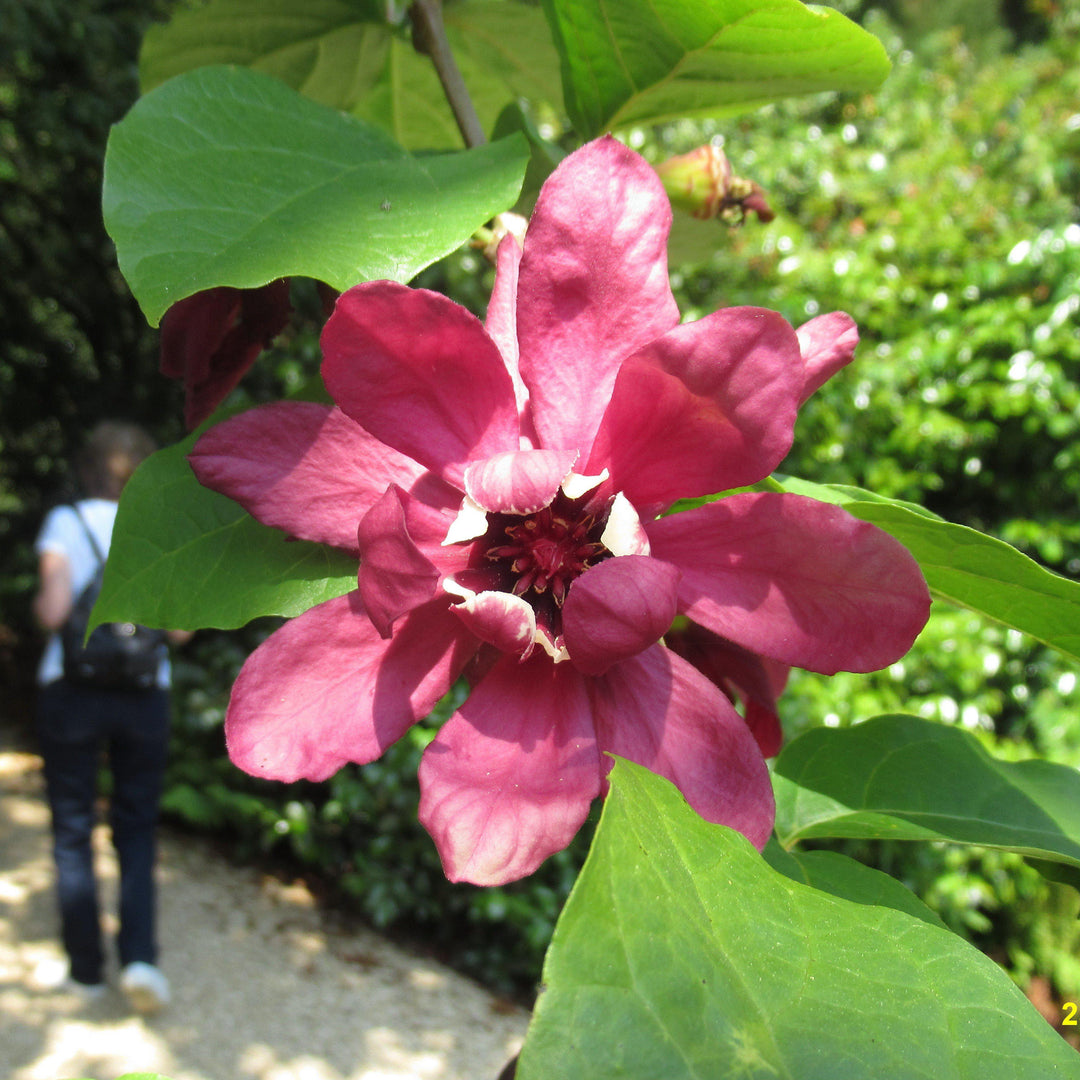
[429, 36]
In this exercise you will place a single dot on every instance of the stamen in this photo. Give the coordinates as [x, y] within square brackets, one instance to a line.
[524, 583]
[544, 552]
[558, 590]
[507, 551]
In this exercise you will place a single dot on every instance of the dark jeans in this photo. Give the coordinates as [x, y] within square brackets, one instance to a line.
[75, 724]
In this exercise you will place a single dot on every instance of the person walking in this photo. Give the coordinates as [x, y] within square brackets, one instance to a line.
[81, 714]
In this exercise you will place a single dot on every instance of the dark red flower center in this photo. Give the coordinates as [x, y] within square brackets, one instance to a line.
[547, 550]
[538, 556]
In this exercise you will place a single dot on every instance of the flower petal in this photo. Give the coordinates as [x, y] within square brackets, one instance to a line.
[738, 672]
[509, 778]
[518, 481]
[308, 469]
[764, 724]
[708, 406]
[618, 608]
[501, 319]
[659, 711]
[827, 343]
[419, 372]
[325, 689]
[593, 286]
[395, 575]
[498, 618]
[211, 338]
[624, 534]
[796, 580]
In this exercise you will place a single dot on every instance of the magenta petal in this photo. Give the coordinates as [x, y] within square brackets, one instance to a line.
[325, 689]
[395, 576]
[738, 672]
[618, 608]
[659, 711]
[593, 286]
[509, 778]
[764, 725]
[501, 320]
[419, 372]
[708, 406]
[211, 338]
[827, 343]
[501, 619]
[307, 469]
[518, 481]
[796, 580]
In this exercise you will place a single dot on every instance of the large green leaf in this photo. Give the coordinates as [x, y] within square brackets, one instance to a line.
[839, 875]
[905, 778]
[643, 61]
[224, 176]
[969, 568]
[344, 54]
[184, 557]
[682, 955]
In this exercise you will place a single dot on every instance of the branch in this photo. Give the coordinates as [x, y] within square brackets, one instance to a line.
[429, 36]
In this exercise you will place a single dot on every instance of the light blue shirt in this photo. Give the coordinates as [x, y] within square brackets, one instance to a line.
[63, 534]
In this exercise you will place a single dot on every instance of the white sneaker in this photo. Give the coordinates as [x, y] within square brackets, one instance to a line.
[55, 974]
[145, 987]
[85, 992]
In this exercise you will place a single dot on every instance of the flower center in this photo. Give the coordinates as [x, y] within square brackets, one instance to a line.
[545, 551]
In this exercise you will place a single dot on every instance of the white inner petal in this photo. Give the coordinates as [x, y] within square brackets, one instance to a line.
[623, 534]
[471, 522]
[576, 485]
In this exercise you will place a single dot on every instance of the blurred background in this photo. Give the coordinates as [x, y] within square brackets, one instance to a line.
[941, 212]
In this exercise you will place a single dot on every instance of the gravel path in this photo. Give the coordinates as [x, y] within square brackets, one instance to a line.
[266, 986]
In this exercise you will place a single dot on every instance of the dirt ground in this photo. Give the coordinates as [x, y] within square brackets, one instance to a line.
[265, 985]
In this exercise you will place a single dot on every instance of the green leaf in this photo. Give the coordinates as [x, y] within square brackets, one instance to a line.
[842, 876]
[681, 954]
[1060, 872]
[224, 176]
[842, 494]
[905, 778]
[644, 61]
[184, 557]
[329, 50]
[968, 568]
[346, 55]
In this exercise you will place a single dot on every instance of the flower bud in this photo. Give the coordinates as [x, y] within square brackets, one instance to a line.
[702, 184]
[487, 239]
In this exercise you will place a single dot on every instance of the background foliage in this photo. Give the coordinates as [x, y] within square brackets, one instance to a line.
[75, 346]
[940, 211]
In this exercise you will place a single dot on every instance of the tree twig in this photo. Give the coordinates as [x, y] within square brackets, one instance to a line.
[429, 36]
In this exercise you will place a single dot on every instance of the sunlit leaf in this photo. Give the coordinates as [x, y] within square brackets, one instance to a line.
[184, 557]
[838, 875]
[643, 61]
[329, 50]
[346, 55]
[682, 954]
[905, 778]
[224, 176]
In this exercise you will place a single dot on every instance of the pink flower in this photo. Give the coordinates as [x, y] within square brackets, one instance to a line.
[501, 484]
